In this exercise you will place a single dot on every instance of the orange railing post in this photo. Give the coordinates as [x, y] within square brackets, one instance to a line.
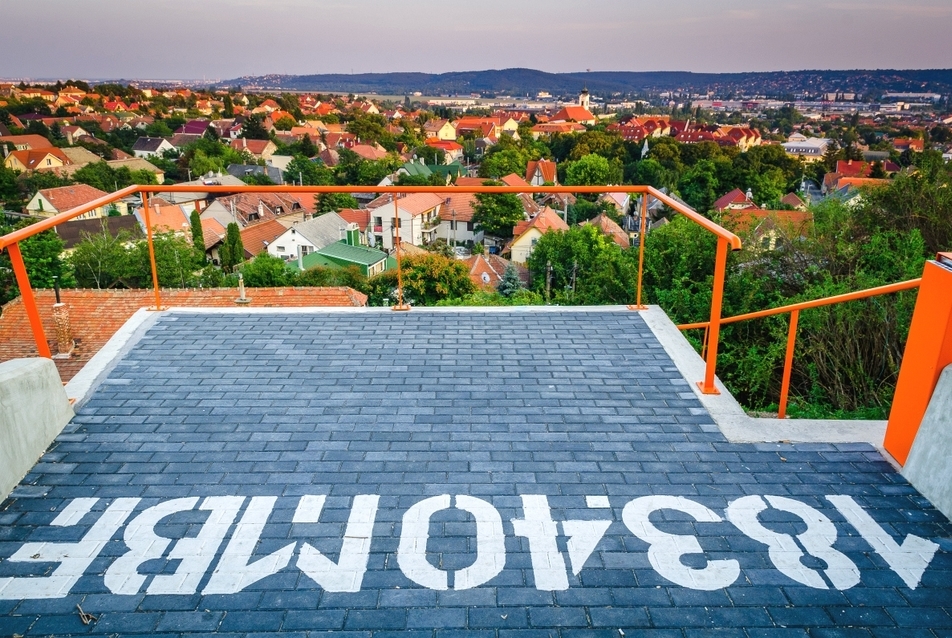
[717, 299]
[641, 247]
[788, 363]
[400, 305]
[148, 231]
[29, 301]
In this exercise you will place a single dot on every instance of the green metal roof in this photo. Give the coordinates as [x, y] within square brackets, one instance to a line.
[353, 254]
[413, 169]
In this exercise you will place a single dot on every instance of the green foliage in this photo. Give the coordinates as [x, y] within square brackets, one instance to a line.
[41, 254]
[351, 277]
[332, 202]
[427, 280]
[497, 213]
[592, 170]
[232, 251]
[301, 169]
[499, 163]
[253, 128]
[106, 178]
[265, 270]
[101, 261]
[582, 266]
[489, 298]
[510, 284]
[198, 237]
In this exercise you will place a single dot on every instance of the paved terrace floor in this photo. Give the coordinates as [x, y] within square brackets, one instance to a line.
[474, 473]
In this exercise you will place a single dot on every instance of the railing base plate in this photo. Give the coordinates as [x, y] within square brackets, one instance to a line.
[704, 390]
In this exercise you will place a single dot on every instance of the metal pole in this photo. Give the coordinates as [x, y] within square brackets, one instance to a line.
[29, 301]
[148, 231]
[641, 248]
[788, 363]
[720, 268]
[396, 221]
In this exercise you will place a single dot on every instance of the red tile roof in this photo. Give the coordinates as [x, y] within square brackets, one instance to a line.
[67, 197]
[358, 216]
[610, 228]
[256, 237]
[546, 220]
[546, 168]
[458, 207]
[95, 315]
[33, 159]
[493, 266]
[212, 232]
[575, 114]
[748, 220]
[33, 142]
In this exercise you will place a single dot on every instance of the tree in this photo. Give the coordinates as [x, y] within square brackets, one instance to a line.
[101, 260]
[253, 128]
[496, 214]
[511, 283]
[302, 170]
[175, 262]
[198, 237]
[285, 123]
[232, 251]
[332, 202]
[41, 254]
[591, 170]
[503, 162]
[266, 270]
[427, 279]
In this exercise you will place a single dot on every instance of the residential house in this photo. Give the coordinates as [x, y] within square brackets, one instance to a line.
[368, 152]
[248, 208]
[256, 238]
[180, 140]
[456, 220]
[609, 227]
[242, 171]
[167, 218]
[74, 134]
[526, 234]
[452, 151]
[213, 236]
[346, 253]
[418, 217]
[578, 114]
[619, 201]
[541, 172]
[439, 129]
[793, 201]
[308, 236]
[807, 149]
[200, 199]
[53, 201]
[44, 159]
[552, 128]
[735, 200]
[24, 142]
[259, 149]
[73, 232]
[139, 164]
[147, 147]
[908, 144]
[486, 271]
[193, 127]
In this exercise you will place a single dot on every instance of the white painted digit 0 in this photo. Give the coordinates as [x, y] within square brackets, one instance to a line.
[665, 550]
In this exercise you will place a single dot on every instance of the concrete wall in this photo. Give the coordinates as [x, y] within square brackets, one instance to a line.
[929, 465]
[33, 411]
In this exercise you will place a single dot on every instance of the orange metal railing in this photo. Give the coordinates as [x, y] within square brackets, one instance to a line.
[794, 310]
[725, 239]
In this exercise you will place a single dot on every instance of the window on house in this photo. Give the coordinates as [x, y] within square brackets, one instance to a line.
[378, 221]
[307, 250]
[469, 226]
[280, 249]
[452, 225]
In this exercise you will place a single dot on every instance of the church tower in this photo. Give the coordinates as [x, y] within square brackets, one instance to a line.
[583, 100]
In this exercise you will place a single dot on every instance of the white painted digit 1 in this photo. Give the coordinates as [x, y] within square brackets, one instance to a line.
[908, 560]
[783, 550]
[665, 549]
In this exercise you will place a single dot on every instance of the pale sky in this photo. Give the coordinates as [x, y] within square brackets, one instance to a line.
[223, 39]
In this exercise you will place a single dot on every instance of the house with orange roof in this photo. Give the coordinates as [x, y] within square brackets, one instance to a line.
[372, 153]
[169, 218]
[257, 237]
[541, 172]
[24, 142]
[213, 236]
[552, 128]
[456, 220]
[578, 114]
[486, 271]
[259, 149]
[418, 216]
[452, 151]
[52, 201]
[735, 200]
[526, 234]
[44, 159]
[908, 144]
[609, 227]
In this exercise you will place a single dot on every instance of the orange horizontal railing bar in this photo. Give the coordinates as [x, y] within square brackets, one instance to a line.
[725, 238]
[816, 303]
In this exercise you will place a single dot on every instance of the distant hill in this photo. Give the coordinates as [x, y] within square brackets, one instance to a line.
[530, 81]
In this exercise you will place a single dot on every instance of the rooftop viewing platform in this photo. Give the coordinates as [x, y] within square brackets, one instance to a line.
[253, 462]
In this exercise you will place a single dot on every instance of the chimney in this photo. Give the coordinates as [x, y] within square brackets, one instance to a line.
[64, 331]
